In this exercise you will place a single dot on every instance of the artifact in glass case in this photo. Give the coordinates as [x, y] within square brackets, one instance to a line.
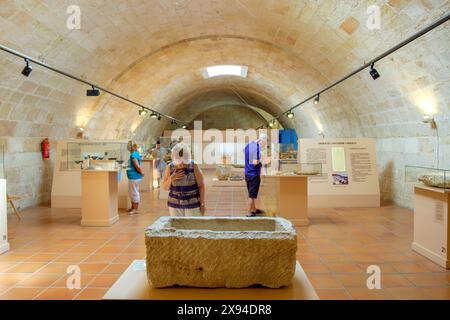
[223, 172]
[95, 155]
[299, 169]
[287, 152]
[431, 177]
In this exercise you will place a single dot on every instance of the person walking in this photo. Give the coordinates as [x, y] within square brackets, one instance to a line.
[253, 172]
[135, 175]
[185, 183]
[160, 164]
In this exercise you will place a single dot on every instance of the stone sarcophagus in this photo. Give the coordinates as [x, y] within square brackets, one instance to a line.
[216, 252]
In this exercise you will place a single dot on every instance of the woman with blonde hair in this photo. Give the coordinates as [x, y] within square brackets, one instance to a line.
[185, 183]
[134, 174]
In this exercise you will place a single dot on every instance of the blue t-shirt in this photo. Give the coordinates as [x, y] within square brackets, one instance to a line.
[132, 173]
[252, 152]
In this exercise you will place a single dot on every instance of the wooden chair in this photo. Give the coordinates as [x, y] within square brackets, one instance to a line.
[11, 203]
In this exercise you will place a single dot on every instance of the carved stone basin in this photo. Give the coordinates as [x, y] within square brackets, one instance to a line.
[220, 252]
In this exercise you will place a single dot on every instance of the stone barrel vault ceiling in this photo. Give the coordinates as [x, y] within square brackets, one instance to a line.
[154, 53]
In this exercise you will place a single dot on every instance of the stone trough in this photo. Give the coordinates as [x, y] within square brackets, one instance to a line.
[214, 252]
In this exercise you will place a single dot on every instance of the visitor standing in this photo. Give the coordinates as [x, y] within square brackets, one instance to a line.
[253, 172]
[160, 164]
[184, 180]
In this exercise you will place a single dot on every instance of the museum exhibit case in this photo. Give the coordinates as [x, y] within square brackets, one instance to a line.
[349, 172]
[431, 212]
[284, 192]
[75, 156]
[4, 244]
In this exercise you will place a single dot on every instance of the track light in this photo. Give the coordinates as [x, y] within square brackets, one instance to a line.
[184, 126]
[271, 123]
[373, 72]
[94, 92]
[154, 115]
[28, 69]
[290, 114]
[317, 99]
[173, 122]
[143, 112]
[159, 117]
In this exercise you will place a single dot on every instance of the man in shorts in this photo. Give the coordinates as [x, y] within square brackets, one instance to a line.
[253, 172]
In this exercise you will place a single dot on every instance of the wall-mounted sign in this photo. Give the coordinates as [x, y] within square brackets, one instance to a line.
[349, 172]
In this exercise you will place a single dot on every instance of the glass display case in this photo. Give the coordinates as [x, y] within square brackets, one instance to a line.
[430, 177]
[2, 162]
[286, 168]
[287, 152]
[96, 155]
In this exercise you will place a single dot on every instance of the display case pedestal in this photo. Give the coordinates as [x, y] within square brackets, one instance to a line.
[99, 197]
[133, 285]
[286, 197]
[4, 244]
[431, 224]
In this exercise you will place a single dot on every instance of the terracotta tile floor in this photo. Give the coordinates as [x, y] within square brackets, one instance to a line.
[334, 250]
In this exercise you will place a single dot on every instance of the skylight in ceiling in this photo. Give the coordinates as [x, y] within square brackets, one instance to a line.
[225, 70]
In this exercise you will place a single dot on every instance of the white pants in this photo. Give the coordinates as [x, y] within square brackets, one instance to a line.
[177, 212]
[133, 190]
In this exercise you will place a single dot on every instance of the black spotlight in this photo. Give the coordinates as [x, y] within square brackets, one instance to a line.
[159, 117]
[94, 92]
[373, 72]
[28, 69]
[317, 99]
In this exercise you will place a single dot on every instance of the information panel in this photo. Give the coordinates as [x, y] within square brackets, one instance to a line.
[349, 172]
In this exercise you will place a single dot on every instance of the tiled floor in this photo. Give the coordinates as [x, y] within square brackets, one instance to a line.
[335, 251]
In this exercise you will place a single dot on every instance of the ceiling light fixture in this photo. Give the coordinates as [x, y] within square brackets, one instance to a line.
[290, 114]
[317, 99]
[28, 69]
[184, 126]
[225, 70]
[373, 72]
[143, 112]
[154, 115]
[94, 92]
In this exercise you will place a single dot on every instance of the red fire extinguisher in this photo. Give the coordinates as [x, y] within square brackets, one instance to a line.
[45, 148]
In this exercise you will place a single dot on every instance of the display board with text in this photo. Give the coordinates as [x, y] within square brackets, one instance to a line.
[349, 172]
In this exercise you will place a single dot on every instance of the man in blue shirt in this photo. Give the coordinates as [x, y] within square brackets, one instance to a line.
[253, 171]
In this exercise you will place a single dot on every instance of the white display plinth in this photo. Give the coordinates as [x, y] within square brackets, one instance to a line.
[133, 285]
[349, 172]
[163, 194]
[99, 198]
[4, 244]
[431, 224]
[285, 197]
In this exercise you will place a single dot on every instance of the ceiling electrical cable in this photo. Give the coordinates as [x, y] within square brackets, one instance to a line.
[29, 60]
[371, 63]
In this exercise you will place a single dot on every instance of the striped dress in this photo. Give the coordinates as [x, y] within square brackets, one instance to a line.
[184, 193]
